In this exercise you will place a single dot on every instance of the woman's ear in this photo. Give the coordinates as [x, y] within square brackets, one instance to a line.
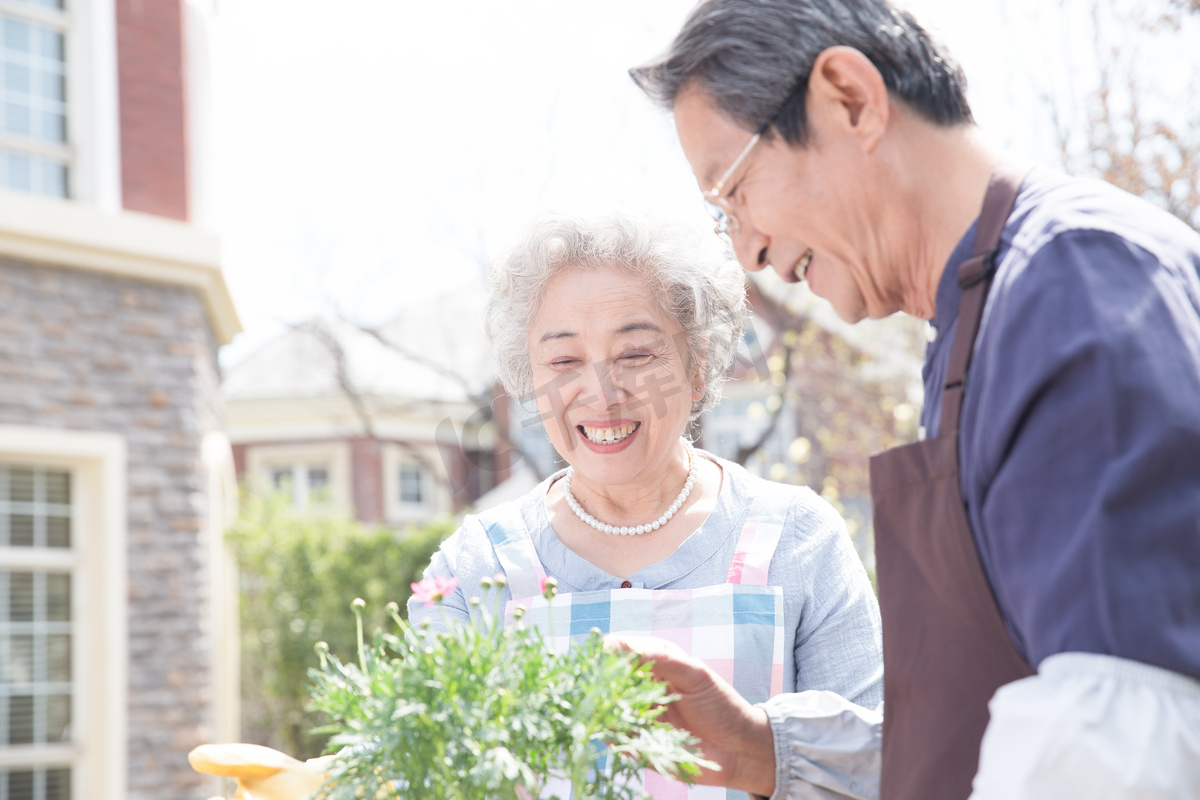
[699, 379]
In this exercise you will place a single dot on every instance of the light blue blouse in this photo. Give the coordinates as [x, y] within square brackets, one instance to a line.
[832, 628]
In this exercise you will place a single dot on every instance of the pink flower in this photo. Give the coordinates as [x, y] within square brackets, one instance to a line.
[549, 586]
[433, 590]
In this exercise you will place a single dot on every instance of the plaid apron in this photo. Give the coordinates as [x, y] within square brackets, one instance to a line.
[736, 627]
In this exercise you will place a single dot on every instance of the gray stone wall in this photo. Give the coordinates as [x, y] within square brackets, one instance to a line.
[86, 351]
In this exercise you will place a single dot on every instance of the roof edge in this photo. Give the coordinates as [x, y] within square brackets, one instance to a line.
[126, 243]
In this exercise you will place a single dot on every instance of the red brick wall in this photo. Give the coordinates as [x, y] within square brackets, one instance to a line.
[239, 460]
[367, 479]
[150, 64]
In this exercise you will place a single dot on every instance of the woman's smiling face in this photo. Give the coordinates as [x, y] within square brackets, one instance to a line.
[613, 382]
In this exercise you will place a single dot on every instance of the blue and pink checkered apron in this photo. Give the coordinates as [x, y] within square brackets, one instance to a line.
[735, 627]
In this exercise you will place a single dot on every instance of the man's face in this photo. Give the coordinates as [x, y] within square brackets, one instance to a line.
[790, 200]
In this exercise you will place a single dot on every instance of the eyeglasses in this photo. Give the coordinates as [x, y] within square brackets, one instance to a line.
[719, 207]
[716, 203]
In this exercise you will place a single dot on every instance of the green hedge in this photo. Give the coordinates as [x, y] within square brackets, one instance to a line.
[299, 570]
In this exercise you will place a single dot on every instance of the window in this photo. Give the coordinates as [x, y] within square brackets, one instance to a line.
[306, 482]
[36, 628]
[415, 487]
[34, 151]
[311, 472]
[412, 485]
[318, 481]
[63, 687]
[63, 611]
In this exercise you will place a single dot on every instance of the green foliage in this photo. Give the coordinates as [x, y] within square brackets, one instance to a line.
[299, 570]
[484, 710]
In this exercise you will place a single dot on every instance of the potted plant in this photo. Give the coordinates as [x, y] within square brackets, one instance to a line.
[484, 710]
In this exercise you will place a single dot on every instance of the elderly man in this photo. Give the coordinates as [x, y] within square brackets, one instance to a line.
[1039, 550]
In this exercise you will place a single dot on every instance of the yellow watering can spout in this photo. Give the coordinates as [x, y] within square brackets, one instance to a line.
[261, 773]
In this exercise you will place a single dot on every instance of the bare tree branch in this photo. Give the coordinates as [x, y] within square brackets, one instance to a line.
[780, 318]
[341, 371]
[745, 451]
[399, 349]
[481, 398]
[357, 398]
[1124, 143]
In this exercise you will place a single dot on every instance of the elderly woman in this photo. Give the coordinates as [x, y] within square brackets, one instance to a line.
[622, 333]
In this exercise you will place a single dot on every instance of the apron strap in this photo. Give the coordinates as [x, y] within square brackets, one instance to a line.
[760, 536]
[975, 278]
[514, 548]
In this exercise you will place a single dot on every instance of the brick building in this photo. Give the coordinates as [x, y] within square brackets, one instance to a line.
[115, 477]
[398, 424]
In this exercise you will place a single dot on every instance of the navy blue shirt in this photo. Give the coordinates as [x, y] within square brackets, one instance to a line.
[1080, 447]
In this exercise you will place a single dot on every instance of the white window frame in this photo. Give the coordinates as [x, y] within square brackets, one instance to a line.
[437, 494]
[92, 151]
[262, 459]
[98, 564]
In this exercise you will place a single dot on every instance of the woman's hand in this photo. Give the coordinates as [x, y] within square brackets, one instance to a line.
[732, 733]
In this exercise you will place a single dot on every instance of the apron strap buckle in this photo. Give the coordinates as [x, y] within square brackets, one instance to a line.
[977, 268]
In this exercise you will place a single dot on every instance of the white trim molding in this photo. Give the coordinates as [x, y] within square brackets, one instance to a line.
[98, 462]
[217, 455]
[196, 17]
[128, 244]
[95, 106]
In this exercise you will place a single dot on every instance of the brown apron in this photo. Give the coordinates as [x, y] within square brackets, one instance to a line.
[945, 646]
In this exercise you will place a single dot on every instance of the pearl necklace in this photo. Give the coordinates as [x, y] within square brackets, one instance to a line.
[693, 465]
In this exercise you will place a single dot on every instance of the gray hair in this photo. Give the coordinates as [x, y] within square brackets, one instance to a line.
[754, 58]
[697, 285]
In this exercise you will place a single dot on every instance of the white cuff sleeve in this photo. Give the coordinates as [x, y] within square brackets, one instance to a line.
[825, 747]
[1092, 726]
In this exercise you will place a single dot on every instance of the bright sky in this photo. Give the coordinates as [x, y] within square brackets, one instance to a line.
[370, 153]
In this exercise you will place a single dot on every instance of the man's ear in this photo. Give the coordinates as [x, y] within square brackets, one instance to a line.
[849, 93]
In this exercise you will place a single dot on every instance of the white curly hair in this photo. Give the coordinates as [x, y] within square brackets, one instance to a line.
[694, 280]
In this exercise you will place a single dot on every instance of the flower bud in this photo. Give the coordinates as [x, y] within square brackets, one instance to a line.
[393, 607]
[358, 604]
